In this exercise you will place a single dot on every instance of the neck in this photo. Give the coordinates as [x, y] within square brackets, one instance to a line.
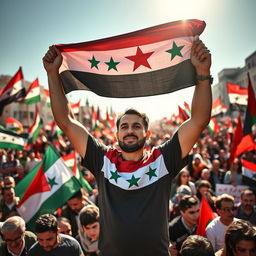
[17, 250]
[190, 225]
[226, 222]
[134, 156]
[247, 211]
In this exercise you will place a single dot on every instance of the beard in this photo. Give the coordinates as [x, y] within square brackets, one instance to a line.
[130, 148]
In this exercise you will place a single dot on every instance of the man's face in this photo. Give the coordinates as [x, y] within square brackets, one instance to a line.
[247, 202]
[131, 134]
[76, 204]
[14, 240]
[65, 228]
[227, 211]
[191, 215]
[245, 248]
[92, 231]
[48, 240]
[9, 196]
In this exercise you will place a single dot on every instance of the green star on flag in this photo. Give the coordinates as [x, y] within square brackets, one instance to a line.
[175, 50]
[111, 64]
[114, 176]
[133, 181]
[52, 182]
[151, 173]
[94, 62]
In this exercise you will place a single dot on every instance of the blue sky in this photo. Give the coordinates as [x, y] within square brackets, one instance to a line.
[28, 27]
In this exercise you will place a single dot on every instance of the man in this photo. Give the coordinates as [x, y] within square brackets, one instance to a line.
[8, 203]
[64, 226]
[240, 240]
[89, 230]
[134, 185]
[246, 209]
[32, 162]
[50, 241]
[216, 174]
[11, 165]
[72, 209]
[196, 245]
[215, 231]
[9, 181]
[16, 240]
[185, 225]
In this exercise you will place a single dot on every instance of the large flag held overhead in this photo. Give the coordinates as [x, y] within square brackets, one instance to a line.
[10, 139]
[33, 93]
[237, 94]
[13, 91]
[52, 186]
[151, 61]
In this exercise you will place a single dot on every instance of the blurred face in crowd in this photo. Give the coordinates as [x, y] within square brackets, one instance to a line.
[14, 240]
[227, 211]
[92, 231]
[191, 215]
[215, 165]
[65, 228]
[245, 248]
[205, 174]
[76, 204]
[131, 133]
[10, 157]
[48, 240]
[9, 181]
[9, 195]
[247, 202]
[184, 177]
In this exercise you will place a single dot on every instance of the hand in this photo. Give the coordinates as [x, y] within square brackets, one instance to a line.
[172, 249]
[52, 59]
[200, 58]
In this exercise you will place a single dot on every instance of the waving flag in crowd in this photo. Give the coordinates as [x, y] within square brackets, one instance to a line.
[147, 62]
[13, 91]
[33, 93]
[14, 125]
[213, 126]
[237, 94]
[34, 129]
[76, 107]
[48, 100]
[249, 172]
[52, 186]
[218, 107]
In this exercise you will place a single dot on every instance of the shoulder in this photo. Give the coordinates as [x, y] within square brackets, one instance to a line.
[175, 222]
[213, 224]
[68, 240]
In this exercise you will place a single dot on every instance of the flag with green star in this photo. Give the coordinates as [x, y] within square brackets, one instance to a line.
[150, 61]
[237, 94]
[52, 185]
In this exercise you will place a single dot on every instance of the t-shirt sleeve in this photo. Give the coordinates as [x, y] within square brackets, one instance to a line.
[171, 151]
[93, 159]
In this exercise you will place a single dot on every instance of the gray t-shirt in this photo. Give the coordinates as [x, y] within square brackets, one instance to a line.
[67, 247]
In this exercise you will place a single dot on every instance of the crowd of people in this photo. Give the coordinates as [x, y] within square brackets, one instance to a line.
[142, 202]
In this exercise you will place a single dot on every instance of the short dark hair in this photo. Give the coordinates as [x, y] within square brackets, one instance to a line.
[247, 192]
[78, 195]
[239, 230]
[89, 214]
[196, 245]
[46, 222]
[187, 202]
[133, 111]
[223, 198]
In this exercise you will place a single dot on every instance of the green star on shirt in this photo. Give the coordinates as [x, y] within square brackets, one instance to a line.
[94, 62]
[175, 50]
[151, 173]
[111, 64]
[114, 176]
[133, 181]
[52, 182]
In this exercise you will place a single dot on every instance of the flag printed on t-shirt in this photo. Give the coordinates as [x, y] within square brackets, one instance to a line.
[151, 61]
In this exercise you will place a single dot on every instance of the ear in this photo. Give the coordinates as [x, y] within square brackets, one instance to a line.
[148, 133]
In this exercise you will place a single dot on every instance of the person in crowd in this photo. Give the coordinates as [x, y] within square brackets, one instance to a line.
[215, 231]
[197, 165]
[134, 184]
[50, 241]
[196, 245]
[223, 159]
[10, 166]
[184, 225]
[64, 226]
[234, 175]
[9, 181]
[216, 174]
[89, 230]
[8, 203]
[16, 240]
[246, 210]
[205, 175]
[240, 240]
[72, 208]
[183, 178]
[32, 162]
[204, 188]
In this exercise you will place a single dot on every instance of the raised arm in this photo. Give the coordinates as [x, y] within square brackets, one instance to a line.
[76, 132]
[190, 130]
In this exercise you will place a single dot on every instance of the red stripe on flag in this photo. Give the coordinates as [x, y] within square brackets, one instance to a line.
[182, 28]
[249, 165]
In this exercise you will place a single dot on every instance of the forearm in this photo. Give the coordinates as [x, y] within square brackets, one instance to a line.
[59, 102]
